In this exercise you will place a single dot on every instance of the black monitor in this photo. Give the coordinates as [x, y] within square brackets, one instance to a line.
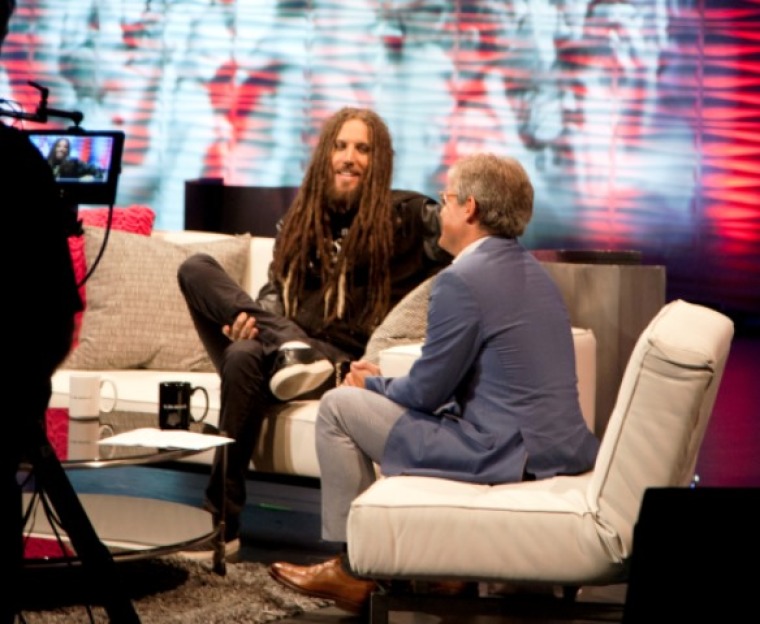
[86, 164]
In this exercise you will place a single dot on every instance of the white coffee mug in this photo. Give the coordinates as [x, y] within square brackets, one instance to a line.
[86, 398]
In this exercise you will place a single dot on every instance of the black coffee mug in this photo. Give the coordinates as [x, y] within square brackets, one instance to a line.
[174, 404]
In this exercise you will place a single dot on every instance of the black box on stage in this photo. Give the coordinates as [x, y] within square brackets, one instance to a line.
[695, 556]
[213, 206]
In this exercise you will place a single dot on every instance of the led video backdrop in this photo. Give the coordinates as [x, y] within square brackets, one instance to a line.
[637, 120]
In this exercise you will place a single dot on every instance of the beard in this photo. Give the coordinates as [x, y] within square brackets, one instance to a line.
[342, 202]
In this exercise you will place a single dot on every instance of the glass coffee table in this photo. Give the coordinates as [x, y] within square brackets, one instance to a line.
[130, 527]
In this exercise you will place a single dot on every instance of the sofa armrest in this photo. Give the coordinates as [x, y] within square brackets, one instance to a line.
[585, 370]
[396, 361]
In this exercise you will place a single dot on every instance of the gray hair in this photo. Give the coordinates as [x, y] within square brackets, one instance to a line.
[501, 189]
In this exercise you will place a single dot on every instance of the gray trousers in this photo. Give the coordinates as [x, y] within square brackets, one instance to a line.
[352, 427]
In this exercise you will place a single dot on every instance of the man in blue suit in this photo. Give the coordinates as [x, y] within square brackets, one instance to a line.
[493, 397]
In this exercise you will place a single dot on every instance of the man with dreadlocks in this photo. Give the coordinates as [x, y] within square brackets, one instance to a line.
[347, 250]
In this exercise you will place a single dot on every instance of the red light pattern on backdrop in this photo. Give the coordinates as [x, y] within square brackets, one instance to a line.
[638, 120]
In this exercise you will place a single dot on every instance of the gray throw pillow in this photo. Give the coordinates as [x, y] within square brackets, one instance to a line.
[406, 323]
[136, 316]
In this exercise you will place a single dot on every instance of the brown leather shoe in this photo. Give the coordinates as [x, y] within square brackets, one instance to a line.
[325, 580]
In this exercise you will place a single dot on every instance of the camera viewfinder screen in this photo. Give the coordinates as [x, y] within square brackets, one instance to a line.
[85, 165]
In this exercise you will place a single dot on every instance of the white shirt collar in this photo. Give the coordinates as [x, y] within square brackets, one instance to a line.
[469, 249]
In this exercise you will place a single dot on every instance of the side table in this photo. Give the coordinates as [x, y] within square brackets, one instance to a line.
[616, 296]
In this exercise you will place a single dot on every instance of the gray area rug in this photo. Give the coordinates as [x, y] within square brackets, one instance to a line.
[168, 590]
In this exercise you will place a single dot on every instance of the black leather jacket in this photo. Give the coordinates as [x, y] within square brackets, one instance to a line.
[416, 256]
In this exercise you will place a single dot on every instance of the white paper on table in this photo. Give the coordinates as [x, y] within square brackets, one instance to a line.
[166, 438]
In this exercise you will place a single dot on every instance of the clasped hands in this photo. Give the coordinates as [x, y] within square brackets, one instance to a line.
[360, 370]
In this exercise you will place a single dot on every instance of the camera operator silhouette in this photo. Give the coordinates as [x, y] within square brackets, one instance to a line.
[50, 298]
[66, 166]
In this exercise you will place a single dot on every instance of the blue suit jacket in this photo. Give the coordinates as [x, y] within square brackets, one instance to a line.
[494, 393]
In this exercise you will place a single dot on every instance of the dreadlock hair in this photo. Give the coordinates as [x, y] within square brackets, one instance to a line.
[305, 227]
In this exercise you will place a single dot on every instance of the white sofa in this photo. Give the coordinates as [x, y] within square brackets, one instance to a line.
[286, 445]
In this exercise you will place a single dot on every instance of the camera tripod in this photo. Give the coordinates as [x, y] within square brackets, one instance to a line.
[50, 478]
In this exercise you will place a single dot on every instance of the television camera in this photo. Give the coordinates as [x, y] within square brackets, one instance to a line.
[86, 164]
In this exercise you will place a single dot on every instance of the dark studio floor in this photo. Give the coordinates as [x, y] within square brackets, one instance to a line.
[281, 521]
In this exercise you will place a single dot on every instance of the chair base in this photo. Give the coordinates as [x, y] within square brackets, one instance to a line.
[545, 606]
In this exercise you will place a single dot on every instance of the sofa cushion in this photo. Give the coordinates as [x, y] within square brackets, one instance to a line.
[526, 527]
[136, 219]
[136, 316]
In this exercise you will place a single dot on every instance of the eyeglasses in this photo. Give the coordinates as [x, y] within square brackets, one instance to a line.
[444, 197]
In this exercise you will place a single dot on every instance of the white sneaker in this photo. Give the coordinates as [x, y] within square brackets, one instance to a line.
[298, 369]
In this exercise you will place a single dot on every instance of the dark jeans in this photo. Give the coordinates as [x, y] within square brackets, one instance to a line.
[214, 300]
